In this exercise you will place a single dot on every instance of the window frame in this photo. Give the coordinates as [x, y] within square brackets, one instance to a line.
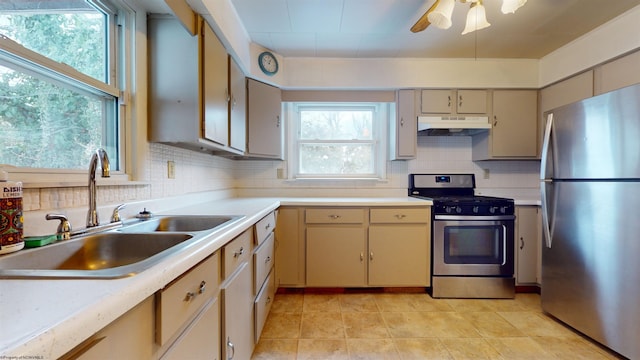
[381, 117]
[120, 79]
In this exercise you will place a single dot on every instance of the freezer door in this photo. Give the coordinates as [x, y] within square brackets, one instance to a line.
[598, 138]
[591, 274]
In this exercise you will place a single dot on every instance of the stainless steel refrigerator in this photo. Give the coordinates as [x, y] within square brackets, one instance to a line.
[590, 187]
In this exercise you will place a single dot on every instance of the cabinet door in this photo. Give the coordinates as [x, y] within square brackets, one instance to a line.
[514, 132]
[437, 101]
[399, 255]
[404, 134]
[265, 134]
[129, 337]
[290, 257]
[237, 107]
[335, 256]
[528, 245]
[215, 91]
[471, 102]
[199, 340]
[237, 313]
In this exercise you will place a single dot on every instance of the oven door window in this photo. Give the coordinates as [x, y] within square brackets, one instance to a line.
[474, 244]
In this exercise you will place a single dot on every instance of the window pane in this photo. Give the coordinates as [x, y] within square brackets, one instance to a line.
[350, 159]
[45, 125]
[336, 125]
[71, 31]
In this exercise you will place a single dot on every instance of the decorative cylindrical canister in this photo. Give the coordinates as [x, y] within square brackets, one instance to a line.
[11, 235]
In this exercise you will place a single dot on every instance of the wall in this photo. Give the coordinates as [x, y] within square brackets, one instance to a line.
[436, 154]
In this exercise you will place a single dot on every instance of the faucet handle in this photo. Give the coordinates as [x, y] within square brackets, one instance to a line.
[115, 217]
[64, 228]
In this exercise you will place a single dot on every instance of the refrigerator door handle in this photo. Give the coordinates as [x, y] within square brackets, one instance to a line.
[544, 158]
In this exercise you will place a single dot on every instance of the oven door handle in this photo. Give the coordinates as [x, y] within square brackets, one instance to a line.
[474, 217]
[504, 245]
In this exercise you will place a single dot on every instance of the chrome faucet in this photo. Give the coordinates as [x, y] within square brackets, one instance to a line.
[99, 155]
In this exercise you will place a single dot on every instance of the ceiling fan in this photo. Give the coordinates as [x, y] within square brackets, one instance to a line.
[439, 14]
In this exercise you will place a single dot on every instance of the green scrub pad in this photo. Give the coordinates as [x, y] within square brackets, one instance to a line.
[37, 241]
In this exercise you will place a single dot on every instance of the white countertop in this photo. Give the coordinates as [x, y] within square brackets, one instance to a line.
[47, 318]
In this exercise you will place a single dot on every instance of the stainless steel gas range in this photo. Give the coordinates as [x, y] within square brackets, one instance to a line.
[472, 237]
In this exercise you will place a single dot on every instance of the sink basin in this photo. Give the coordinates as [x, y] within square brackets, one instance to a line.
[102, 255]
[182, 223]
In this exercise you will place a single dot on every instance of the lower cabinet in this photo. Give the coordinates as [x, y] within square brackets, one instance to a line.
[359, 247]
[528, 245]
[290, 248]
[237, 315]
[128, 337]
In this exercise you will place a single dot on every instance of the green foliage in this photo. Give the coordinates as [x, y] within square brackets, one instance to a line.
[44, 124]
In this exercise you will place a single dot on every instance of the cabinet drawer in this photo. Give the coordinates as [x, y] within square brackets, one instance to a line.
[237, 251]
[264, 227]
[178, 302]
[263, 304]
[400, 215]
[335, 216]
[263, 262]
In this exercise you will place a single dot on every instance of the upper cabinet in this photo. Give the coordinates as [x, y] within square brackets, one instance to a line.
[453, 102]
[513, 133]
[189, 87]
[237, 107]
[403, 135]
[617, 74]
[265, 128]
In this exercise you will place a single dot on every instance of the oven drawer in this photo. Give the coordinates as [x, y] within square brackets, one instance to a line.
[400, 215]
[335, 216]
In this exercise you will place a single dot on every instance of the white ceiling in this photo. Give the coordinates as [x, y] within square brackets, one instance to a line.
[380, 28]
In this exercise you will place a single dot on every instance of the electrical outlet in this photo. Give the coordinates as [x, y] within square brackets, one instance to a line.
[171, 169]
[486, 173]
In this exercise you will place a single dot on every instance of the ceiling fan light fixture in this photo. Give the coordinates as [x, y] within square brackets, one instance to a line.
[476, 18]
[440, 17]
[510, 6]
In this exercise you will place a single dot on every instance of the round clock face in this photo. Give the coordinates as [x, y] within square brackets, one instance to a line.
[268, 63]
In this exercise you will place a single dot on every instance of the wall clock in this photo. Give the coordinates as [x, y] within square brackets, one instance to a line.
[268, 63]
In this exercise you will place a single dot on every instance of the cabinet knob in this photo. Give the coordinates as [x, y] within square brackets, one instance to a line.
[460, 103]
[267, 226]
[267, 259]
[400, 216]
[203, 286]
[361, 257]
[401, 121]
[334, 217]
[521, 243]
[495, 120]
[232, 349]
[278, 121]
[239, 252]
[371, 256]
[268, 300]
[190, 295]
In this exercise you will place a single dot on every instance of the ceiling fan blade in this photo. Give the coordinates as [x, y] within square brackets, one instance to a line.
[423, 22]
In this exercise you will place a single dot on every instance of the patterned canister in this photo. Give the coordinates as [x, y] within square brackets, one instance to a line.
[11, 236]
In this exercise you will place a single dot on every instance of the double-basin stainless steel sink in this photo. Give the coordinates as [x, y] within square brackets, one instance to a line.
[125, 251]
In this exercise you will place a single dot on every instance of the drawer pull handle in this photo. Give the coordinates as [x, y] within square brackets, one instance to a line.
[334, 217]
[267, 259]
[232, 349]
[361, 257]
[202, 288]
[268, 300]
[371, 256]
[190, 296]
[400, 216]
[521, 243]
[239, 252]
[267, 226]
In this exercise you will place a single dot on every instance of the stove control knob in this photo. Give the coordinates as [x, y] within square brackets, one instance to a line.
[458, 209]
[492, 209]
[447, 209]
[475, 209]
[503, 209]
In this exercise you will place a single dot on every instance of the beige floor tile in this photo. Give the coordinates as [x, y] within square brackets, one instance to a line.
[536, 324]
[322, 349]
[490, 324]
[358, 303]
[321, 303]
[573, 348]
[270, 349]
[471, 349]
[421, 349]
[372, 349]
[364, 325]
[322, 325]
[410, 302]
[287, 303]
[408, 325]
[462, 305]
[282, 326]
[521, 348]
[450, 325]
[530, 302]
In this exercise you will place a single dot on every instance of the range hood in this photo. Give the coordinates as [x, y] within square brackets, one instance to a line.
[452, 125]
